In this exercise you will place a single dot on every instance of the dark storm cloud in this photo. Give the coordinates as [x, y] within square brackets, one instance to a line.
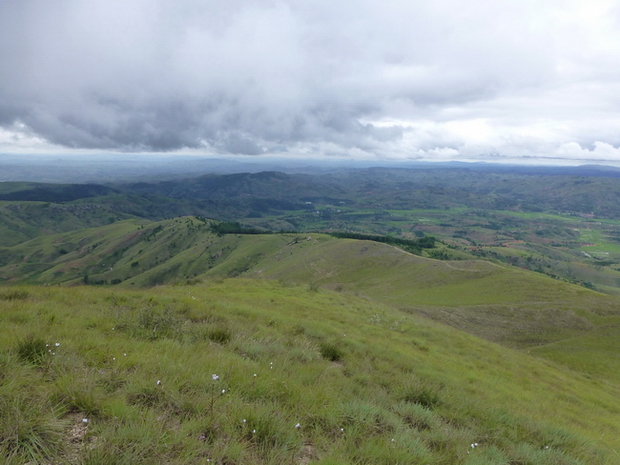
[394, 78]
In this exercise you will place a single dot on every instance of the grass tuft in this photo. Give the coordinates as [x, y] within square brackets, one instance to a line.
[220, 335]
[33, 350]
[331, 352]
[30, 430]
[424, 396]
[14, 294]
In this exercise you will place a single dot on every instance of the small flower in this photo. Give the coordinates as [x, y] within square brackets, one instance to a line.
[159, 382]
[57, 344]
[113, 358]
[215, 377]
[255, 375]
[254, 431]
[297, 425]
[124, 355]
[342, 430]
[244, 421]
[85, 420]
[223, 391]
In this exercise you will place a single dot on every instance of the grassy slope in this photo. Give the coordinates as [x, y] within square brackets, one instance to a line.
[516, 308]
[402, 388]
[21, 221]
[499, 303]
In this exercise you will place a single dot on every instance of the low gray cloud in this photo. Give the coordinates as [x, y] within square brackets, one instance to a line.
[392, 79]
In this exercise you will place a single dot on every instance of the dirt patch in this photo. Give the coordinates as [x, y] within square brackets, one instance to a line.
[306, 455]
[76, 440]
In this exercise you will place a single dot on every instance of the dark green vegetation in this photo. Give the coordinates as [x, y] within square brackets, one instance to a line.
[315, 324]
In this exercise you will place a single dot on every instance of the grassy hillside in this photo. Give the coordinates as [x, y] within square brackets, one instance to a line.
[22, 221]
[519, 309]
[497, 302]
[253, 371]
[500, 303]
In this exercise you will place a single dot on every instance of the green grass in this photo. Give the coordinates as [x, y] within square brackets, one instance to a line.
[302, 376]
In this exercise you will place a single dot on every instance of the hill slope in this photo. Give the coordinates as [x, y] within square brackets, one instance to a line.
[499, 303]
[250, 371]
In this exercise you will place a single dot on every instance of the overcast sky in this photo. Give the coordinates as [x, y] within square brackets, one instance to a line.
[402, 79]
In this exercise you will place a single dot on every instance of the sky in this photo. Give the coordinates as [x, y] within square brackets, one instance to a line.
[509, 80]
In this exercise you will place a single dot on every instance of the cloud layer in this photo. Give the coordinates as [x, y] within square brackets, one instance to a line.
[440, 79]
